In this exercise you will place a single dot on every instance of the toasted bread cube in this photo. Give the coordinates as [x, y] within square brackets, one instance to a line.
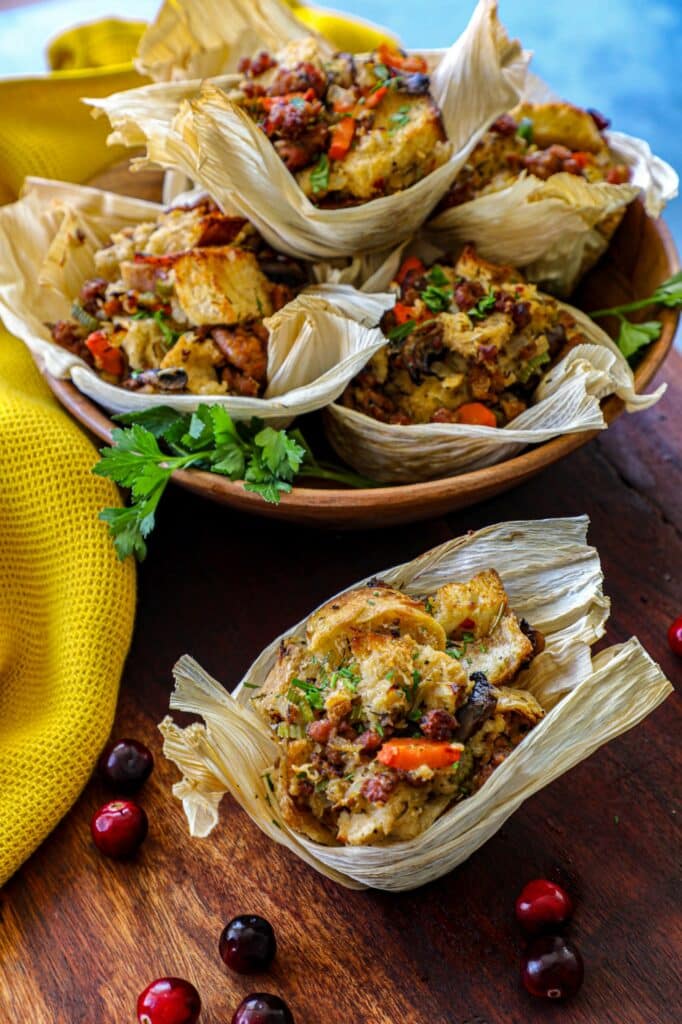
[502, 653]
[561, 123]
[221, 285]
[392, 155]
[198, 359]
[472, 607]
[369, 609]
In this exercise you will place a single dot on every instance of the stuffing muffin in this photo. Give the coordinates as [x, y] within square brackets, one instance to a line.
[178, 305]
[468, 343]
[392, 708]
[349, 129]
[542, 139]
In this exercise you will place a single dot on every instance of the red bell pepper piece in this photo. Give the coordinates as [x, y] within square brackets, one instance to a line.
[411, 263]
[107, 356]
[375, 98]
[342, 137]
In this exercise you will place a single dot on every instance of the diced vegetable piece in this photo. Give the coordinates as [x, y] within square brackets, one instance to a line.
[107, 356]
[342, 137]
[411, 263]
[407, 754]
[476, 414]
[393, 59]
[403, 313]
[375, 98]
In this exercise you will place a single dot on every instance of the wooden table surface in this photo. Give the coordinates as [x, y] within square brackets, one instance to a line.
[80, 936]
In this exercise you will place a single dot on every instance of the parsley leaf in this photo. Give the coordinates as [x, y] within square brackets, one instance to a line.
[319, 176]
[157, 420]
[381, 72]
[632, 337]
[438, 294]
[399, 119]
[483, 307]
[154, 442]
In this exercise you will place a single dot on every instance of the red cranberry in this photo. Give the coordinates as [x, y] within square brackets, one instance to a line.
[248, 944]
[261, 1008]
[675, 636]
[119, 828]
[552, 968]
[541, 904]
[169, 1001]
[125, 765]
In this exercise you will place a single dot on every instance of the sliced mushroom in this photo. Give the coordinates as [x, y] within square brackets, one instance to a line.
[480, 705]
[172, 378]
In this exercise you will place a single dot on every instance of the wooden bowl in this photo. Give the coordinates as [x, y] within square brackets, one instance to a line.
[641, 255]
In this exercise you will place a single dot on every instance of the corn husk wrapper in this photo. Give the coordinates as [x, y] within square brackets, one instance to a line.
[553, 579]
[47, 244]
[204, 38]
[216, 144]
[566, 401]
[555, 230]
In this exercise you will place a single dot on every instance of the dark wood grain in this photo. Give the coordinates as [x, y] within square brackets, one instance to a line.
[80, 936]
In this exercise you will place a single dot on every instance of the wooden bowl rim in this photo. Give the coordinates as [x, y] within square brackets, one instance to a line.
[526, 464]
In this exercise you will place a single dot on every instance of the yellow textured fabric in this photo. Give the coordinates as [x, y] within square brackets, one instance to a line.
[66, 609]
[66, 604]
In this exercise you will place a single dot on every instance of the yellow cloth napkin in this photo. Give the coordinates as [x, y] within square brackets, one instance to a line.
[66, 609]
[66, 604]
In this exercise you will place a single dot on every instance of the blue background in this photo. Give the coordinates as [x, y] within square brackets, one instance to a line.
[623, 57]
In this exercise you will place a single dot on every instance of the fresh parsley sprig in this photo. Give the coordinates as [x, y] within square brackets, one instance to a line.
[633, 337]
[150, 445]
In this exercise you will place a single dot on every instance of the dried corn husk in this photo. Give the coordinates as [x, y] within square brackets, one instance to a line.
[47, 244]
[553, 579]
[566, 401]
[203, 38]
[556, 229]
[215, 143]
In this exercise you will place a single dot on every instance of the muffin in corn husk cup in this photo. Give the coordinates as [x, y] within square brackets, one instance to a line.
[154, 307]
[547, 187]
[349, 805]
[478, 363]
[413, 130]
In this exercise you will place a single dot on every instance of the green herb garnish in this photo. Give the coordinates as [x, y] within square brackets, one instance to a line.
[160, 440]
[402, 331]
[313, 694]
[438, 293]
[159, 317]
[381, 72]
[349, 678]
[399, 119]
[633, 337]
[319, 176]
[483, 307]
[525, 129]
